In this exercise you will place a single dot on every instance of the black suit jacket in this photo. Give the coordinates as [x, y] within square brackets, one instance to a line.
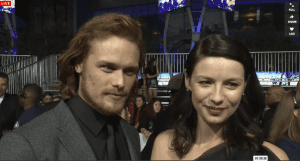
[10, 111]
[56, 135]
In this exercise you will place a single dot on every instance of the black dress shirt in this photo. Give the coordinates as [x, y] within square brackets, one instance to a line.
[92, 124]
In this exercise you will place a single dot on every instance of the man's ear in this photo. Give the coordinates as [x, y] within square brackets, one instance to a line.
[187, 81]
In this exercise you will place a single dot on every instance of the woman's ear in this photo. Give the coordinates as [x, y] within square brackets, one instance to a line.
[187, 81]
[297, 113]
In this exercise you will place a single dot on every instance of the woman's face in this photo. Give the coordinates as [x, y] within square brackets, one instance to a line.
[157, 106]
[144, 77]
[139, 102]
[217, 85]
[154, 63]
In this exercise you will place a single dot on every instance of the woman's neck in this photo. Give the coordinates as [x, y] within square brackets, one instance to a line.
[208, 133]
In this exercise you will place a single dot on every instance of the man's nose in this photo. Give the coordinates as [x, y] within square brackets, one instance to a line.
[118, 80]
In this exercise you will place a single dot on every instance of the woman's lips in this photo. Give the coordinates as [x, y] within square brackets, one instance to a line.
[215, 111]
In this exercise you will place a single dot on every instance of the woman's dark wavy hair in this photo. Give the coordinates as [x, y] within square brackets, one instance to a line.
[98, 28]
[136, 109]
[242, 123]
[150, 63]
[150, 113]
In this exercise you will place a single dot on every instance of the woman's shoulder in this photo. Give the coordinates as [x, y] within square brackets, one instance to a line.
[276, 150]
[162, 144]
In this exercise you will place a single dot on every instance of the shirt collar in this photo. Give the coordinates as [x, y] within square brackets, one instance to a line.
[2, 98]
[91, 118]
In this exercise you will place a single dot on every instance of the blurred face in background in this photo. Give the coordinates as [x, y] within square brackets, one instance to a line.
[144, 77]
[47, 99]
[139, 102]
[157, 106]
[154, 63]
[3, 86]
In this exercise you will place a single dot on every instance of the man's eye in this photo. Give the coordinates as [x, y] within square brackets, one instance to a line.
[107, 69]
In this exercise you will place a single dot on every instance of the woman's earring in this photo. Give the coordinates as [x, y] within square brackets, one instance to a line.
[243, 94]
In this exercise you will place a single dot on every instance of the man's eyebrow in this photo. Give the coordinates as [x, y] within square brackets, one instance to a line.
[230, 79]
[135, 68]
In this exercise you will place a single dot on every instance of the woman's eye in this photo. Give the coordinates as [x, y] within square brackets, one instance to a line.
[233, 84]
[204, 83]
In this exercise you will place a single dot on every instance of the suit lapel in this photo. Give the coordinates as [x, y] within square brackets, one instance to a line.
[71, 135]
[5, 110]
[130, 140]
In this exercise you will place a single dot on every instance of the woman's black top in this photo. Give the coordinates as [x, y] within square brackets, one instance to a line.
[151, 72]
[146, 122]
[219, 153]
[290, 147]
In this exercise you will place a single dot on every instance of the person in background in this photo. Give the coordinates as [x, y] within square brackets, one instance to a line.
[57, 98]
[97, 75]
[273, 97]
[10, 109]
[285, 128]
[140, 105]
[164, 121]
[29, 99]
[148, 116]
[51, 105]
[152, 72]
[226, 97]
[142, 88]
[126, 115]
[48, 97]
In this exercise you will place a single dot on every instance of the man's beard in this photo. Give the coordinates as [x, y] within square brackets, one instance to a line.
[108, 111]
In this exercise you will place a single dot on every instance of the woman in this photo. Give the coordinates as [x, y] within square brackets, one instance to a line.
[152, 72]
[140, 104]
[285, 128]
[125, 115]
[226, 97]
[148, 117]
[142, 86]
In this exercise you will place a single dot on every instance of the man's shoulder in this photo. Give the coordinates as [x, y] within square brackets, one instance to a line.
[10, 96]
[50, 105]
[42, 123]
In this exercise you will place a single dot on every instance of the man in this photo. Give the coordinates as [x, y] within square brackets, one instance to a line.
[48, 97]
[97, 76]
[10, 110]
[29, 99]
[273, 97]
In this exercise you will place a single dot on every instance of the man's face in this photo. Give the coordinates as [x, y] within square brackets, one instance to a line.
[3, 86]
[47, 99]
[108, 74]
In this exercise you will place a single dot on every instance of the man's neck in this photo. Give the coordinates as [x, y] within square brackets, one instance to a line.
[208, 134]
